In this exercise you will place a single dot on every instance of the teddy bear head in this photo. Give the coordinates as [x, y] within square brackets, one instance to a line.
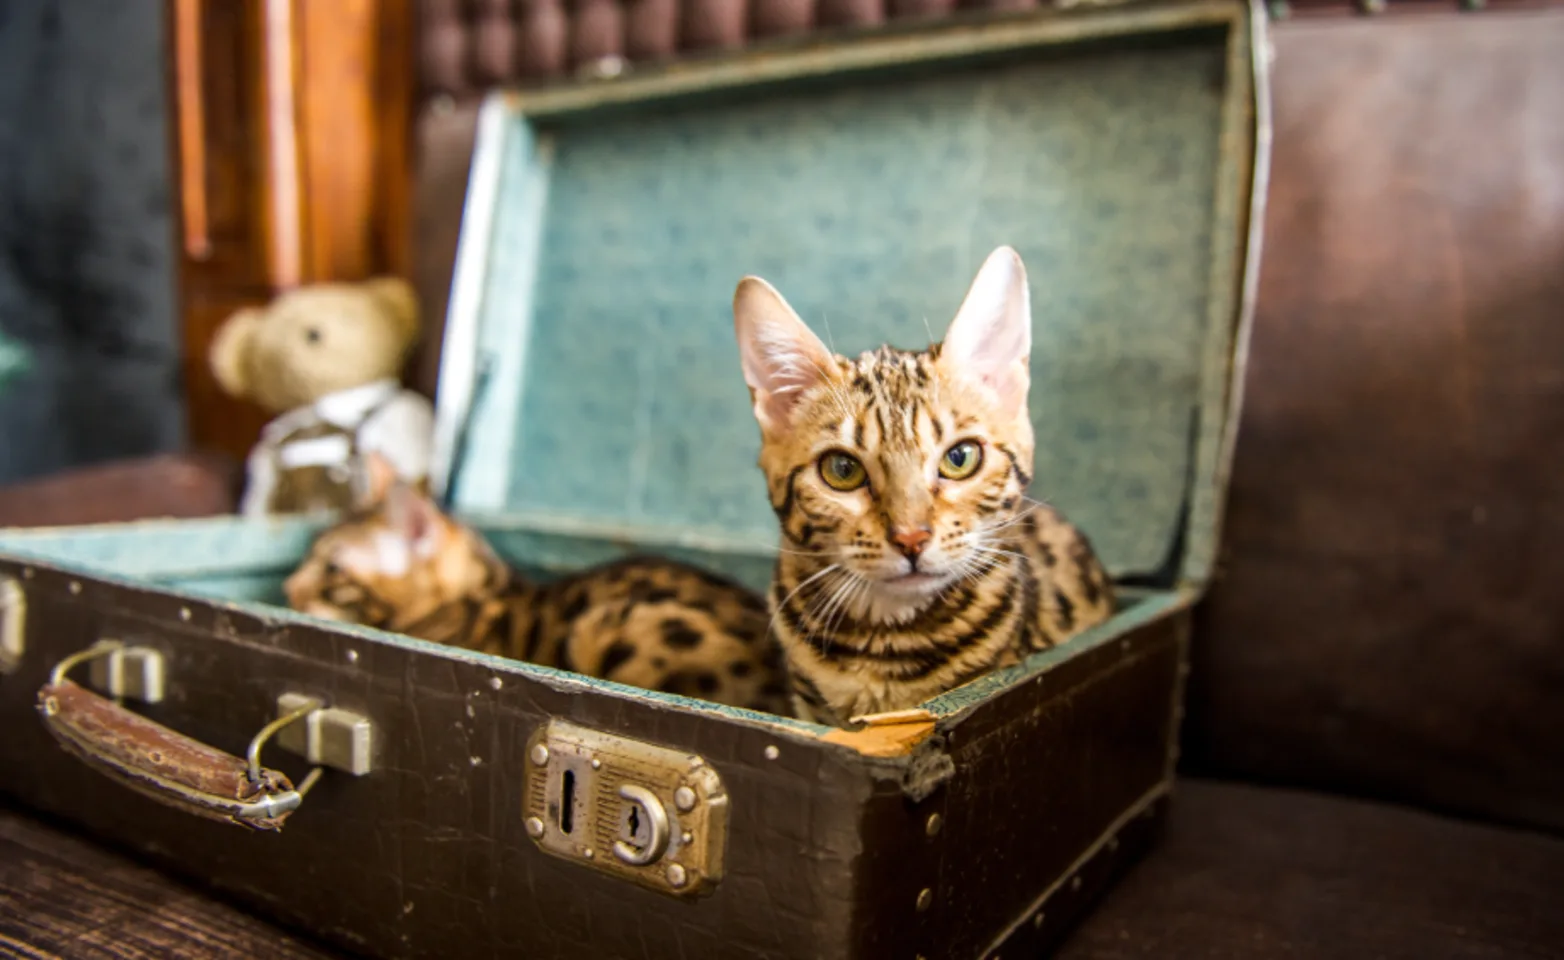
[316, 340]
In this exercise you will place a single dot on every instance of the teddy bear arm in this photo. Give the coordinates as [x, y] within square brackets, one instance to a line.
[402, 433]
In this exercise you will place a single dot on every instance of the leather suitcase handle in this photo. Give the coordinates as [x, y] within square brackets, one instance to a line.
[164, 764]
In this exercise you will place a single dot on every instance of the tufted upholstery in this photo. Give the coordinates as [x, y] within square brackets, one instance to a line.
[469, 46]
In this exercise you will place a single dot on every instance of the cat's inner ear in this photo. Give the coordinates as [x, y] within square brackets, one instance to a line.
[375, 478]
[782, 357]
[414, 518]
[990, 341]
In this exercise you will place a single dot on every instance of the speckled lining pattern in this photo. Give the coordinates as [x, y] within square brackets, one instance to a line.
[871, 207]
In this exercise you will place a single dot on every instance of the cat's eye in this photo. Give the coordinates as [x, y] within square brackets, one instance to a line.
[961, 460]
[842, 471]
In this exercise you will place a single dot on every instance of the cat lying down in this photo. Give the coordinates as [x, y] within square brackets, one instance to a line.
[401, 564]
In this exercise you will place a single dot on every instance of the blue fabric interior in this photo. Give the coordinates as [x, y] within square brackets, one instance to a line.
[616, 397]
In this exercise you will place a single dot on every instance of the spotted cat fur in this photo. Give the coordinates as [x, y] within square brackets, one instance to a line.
[401, 564]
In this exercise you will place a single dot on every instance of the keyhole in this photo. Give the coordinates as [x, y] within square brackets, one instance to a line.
[634, 829]
[643, 826]
[567, 803]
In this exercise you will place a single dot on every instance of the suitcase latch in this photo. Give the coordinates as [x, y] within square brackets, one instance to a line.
[13, 624]
[652, 815]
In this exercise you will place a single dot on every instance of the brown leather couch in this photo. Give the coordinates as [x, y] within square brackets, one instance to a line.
[1373, 764]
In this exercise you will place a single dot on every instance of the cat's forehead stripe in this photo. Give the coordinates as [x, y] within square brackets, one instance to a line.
[890, 388]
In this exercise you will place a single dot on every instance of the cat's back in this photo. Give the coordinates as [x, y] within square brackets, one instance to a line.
[1073, 588]
[664, 625]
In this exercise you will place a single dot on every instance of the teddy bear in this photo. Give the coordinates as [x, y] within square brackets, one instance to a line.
[325, 358]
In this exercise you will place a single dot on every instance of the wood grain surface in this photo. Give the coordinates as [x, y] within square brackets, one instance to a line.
[61, 896]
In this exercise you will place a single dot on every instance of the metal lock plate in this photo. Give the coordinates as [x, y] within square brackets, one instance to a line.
[330, 736]
[13, 624]
[129, 673]
[651, 815]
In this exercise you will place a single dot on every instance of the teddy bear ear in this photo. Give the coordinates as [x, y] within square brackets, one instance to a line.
[229, 349]
[399, 300]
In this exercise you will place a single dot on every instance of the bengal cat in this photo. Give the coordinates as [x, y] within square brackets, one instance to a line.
[912, 561]
[403, 565]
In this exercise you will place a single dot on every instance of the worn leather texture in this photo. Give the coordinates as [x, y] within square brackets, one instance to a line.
[1265, 874]
[180, 485]
[1390, 621]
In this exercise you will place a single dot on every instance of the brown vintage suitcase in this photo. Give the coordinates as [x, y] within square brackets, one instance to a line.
[405, 799]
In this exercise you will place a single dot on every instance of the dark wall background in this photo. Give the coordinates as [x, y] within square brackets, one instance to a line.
[86, 235]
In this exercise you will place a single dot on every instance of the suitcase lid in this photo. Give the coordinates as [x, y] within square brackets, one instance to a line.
[590, 381]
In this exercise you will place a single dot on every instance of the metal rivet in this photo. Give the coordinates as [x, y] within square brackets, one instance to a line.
[925, 899]
[684, 798]
[495, 683]
[1037, 921]
[772, 752]
[588, 853]
[184, 614]
[540, 754]
[935, 822]
[475, 760]
[686, 838]
[75, 587]
[1075, 883]
[676, 875]
[352, 656]
[597, 764]
[535, 826]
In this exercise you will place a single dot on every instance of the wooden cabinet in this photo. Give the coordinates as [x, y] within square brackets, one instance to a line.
[293, 164]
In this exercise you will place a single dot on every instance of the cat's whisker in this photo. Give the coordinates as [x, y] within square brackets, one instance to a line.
[1019, 517]
[772, 625]
[996, 551]
[860, 587]
[795, 553]
[828, 616]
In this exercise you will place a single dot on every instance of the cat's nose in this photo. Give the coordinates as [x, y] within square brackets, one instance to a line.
[911, 542]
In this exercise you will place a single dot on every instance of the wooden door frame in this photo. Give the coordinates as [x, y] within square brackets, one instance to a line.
[316, 135]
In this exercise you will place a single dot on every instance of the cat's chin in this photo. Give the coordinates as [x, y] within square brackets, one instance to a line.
[916, 583]
[899, 599]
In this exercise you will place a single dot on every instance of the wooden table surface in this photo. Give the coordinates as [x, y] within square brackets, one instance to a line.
[62, 896]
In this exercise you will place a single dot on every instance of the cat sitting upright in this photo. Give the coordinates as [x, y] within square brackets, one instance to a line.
[912, 561]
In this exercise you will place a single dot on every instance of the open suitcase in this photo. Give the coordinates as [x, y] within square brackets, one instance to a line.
[591, 403]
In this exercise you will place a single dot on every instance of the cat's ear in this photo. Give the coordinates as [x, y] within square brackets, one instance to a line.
[990, 341]
[415, 518]
[782, 358]
[376, 477]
